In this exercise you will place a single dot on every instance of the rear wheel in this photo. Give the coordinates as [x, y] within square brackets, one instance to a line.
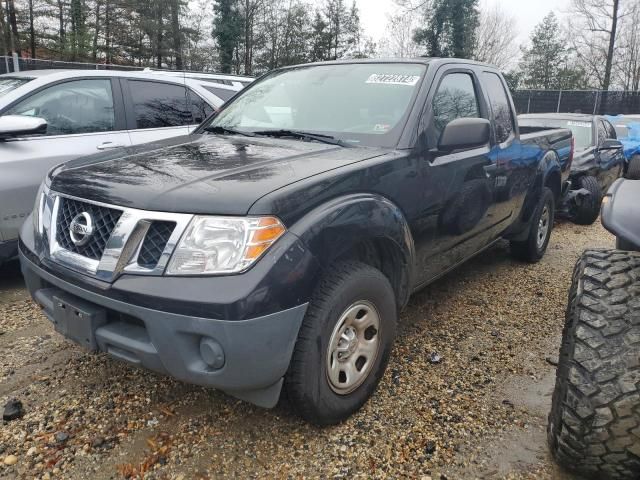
[633, 171]
[594, 425]
[344, 344]
[533, 248]
[587, 212]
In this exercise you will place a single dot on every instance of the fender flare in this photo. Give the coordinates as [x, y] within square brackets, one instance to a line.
[341, 224]
[548, 168]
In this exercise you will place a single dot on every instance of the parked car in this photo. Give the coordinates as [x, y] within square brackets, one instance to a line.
[628, 132]
[598, 160]
[85, 111]
[275, 246]
[594, 425]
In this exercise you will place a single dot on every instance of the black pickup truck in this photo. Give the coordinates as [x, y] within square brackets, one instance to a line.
[275, 246]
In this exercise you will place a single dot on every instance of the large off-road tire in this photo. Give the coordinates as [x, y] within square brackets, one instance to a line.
[331, 375]
[533, 248]
[633, 170]
[588, 211]
[594, 425]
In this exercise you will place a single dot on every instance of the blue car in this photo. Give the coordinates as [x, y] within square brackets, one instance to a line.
[628, 131]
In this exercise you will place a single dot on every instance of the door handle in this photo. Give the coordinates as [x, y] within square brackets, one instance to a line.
[108, 146]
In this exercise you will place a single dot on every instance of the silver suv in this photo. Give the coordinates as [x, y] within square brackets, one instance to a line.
[51, 116]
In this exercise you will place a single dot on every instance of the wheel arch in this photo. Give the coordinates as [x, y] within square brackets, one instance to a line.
[365, 227]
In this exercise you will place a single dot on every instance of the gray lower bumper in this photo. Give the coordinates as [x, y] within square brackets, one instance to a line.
[254, 354]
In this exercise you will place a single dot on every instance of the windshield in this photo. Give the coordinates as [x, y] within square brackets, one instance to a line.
[8, 84]
[359, 104]
[582, 131]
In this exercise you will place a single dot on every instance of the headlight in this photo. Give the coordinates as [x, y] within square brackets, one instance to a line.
[214, 245]
[37, 209]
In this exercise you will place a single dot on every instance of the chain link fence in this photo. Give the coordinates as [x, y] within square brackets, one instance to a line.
[596, 102]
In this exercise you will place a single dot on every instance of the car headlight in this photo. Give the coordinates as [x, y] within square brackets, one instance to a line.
[37, 210]
[216, 245]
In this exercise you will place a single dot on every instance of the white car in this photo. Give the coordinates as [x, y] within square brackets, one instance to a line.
[52, 116]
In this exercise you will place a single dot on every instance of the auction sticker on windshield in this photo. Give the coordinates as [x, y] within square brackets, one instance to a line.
[579, 124]
[409, 80]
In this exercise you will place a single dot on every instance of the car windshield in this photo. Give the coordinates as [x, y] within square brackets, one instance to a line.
[8, 84]
[582, 130]
[359, 104]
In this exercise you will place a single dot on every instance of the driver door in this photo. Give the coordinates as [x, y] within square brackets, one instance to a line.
[82, 118]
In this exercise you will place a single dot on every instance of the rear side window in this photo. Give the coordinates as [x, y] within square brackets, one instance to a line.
[158, 105]
[222, 93]
[500, 106]
[456, 98]
[79, 106]
[199, 108]
[9, 84]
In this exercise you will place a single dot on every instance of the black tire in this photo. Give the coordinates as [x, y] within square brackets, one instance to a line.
[307, 383]
[530, 250]
[633, 171]
[594, 425]
[589, 210]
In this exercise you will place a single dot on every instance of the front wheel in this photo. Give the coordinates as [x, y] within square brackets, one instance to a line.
[534, 247]
[344, 344]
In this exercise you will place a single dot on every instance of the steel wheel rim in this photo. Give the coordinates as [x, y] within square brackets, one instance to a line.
[543, 226]
[353, 347]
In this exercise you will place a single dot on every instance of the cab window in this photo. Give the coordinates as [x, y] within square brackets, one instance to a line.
[455, 98]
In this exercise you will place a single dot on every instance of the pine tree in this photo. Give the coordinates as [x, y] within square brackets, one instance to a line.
[450, 28]
[227, 29]
[546, 63]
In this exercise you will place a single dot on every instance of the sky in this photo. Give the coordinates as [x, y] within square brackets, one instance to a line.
[373, 14]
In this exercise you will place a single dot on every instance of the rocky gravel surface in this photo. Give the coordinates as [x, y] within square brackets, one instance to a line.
[465, 395]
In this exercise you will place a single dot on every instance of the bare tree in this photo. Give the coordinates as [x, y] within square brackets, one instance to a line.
[626, 69]
[399, 41]
[496, 37]
[594, 32]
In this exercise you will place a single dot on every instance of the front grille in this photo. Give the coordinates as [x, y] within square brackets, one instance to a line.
[104, 221]
[154, 243]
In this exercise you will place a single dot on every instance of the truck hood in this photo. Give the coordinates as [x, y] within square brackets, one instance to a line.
[206, 174]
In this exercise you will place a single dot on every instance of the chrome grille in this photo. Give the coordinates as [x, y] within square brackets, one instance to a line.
[154, 243]
[104, 221]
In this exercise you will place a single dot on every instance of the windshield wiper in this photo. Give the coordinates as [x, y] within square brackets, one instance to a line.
[318, 137]
[227, 130]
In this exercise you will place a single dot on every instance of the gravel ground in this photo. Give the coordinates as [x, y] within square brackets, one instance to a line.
[478, 413]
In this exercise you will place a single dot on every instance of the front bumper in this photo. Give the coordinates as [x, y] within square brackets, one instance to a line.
[255, 352]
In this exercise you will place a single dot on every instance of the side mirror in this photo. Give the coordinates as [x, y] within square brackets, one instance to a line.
[464, 133]
[610, 144]
[12, 126]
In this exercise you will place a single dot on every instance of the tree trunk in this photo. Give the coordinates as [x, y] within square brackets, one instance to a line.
[612, 43]
[247, 37]
[61, 32]
[175, 26]
[96, 33]
[32, 31]
[107, 31]
[4, 32]
[13, 27]
[159, 29]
